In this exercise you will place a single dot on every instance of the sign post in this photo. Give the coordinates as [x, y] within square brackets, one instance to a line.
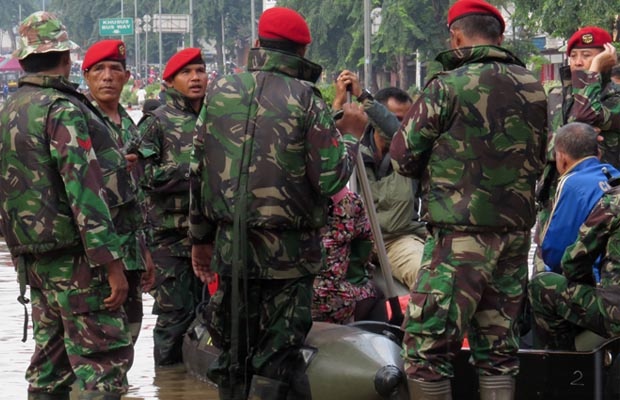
[115, 26]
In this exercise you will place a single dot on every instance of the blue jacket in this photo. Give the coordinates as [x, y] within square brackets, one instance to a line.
[579, 189]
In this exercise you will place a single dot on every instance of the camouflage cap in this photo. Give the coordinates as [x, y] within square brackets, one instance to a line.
[42, 32]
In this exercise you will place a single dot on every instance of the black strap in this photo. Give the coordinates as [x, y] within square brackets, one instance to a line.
[22, 278]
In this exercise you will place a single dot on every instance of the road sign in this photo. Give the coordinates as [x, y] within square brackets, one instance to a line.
[115, 26]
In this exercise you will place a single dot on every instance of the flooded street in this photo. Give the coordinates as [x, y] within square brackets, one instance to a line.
[145, 382]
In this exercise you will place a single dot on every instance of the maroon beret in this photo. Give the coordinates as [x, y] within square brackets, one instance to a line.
[463, 8]
[281, 23]
[191, 55]
[110, 50]
[588, 37]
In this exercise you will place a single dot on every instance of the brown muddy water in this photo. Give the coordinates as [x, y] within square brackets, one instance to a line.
[146, 382]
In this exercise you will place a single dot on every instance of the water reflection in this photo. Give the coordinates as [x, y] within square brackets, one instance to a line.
[146, 383]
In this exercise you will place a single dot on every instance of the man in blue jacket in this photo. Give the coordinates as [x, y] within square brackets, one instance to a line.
[582, 184]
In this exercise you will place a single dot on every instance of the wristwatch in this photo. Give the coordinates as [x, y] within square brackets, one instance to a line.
[365, 95]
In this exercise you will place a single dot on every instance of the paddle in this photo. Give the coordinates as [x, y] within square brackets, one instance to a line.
[386, 269]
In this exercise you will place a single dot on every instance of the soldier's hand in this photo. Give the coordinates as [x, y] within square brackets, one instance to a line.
[605, 60]
[131, 159]
[118, 284]
[353, 120]
[350, 78]
[201, 262]
[148, 277]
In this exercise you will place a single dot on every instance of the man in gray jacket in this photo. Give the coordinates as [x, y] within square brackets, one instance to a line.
[395, 196]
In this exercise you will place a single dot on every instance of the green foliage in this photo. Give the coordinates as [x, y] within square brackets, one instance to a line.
[561, 18]
[328, 91]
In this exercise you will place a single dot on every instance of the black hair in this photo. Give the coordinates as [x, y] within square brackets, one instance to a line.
[39, 62]
[484, 26]
[577, 140]
[383, 95]
[282, 45]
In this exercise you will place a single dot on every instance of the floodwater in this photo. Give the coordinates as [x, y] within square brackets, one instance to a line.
[146, 382]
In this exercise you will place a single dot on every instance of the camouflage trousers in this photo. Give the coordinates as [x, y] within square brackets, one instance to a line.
[563, 309]
[274, 321]
[133, 304]
[177, 292]
[469, 283]
[76, 337]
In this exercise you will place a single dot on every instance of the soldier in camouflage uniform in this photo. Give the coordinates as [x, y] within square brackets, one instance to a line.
[475, 138]
[267, 157]
[166, 141]
[56, 194]
[105, 75]
[587, 95]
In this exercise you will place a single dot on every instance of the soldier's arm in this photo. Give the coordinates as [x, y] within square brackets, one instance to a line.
[201, 230]
[71, 148]
[591, 243]
[591, 105]
[412, 144]
[331, 156]
[161, 174]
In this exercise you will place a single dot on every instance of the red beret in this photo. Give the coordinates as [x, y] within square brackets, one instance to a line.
[463, 8]
[281, 23]
[112, 49]
[588, 37]
[191, 55]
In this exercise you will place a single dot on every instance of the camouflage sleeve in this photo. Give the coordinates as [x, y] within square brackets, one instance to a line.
[330, 156]
[588, 105]
[387, 122]
[161, 175]
[591, 242]
[412, 144]
[71, 148]
[200, 229]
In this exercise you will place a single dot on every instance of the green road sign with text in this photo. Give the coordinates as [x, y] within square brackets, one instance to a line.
[115, 26]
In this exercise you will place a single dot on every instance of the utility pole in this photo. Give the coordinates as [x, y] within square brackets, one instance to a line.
[191, 23]
[367, 63]
[136, 42]
[160, 44]
[253, 22]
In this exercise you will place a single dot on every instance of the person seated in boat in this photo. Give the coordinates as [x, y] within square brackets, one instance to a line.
[343, 291]
[395, 197]
[568, 301]
[582, 183]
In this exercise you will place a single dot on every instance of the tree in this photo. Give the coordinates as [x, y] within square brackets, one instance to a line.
[561, 18]
[10, 17]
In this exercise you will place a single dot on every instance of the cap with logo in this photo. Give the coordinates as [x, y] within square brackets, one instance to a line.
[104, 50]
[191, 55]
[588, 37]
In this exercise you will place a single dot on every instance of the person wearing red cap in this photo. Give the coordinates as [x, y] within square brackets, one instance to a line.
[585, 94]
[105, 75]
[166, 135]
[475, 137]
[267, 158]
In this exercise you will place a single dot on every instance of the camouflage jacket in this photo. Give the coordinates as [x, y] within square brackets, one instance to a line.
[476, 139]
[587, 97]
[52, 184]
[134, 241]
[165, 147]
[599, 236]
[267, 147]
